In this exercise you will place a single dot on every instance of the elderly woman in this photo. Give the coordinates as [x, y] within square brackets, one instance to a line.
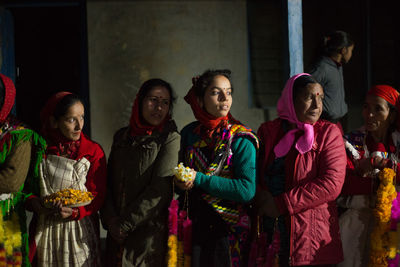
[302, 169]
[21, 150]
[140, 167]
[369, 149]
[222, 153]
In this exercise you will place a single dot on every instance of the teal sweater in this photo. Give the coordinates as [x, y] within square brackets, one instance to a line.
[243, 185]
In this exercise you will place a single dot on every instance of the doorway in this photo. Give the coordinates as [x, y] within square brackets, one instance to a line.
[50, 55]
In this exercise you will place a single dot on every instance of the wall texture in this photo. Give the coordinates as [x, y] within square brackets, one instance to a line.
[132, 41]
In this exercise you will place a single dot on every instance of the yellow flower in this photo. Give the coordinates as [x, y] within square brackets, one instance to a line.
[383, 241]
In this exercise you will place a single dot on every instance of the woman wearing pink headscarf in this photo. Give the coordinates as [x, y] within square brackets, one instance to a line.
[302, 168]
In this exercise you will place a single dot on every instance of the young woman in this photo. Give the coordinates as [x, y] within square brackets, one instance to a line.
[222, 153]
[142, 159]
[21, 151]
[337, 49]
[375, 146]
[61, 235]
[302, 169]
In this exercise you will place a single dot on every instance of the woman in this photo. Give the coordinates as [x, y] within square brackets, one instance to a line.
[337, 49]
[140, 167]
[222, 153]
[374, 146]
[61, 235]
[302, 169]
[21, 150]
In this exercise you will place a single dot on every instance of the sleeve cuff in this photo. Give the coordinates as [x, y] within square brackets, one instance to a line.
[81, 213]
[199, 178]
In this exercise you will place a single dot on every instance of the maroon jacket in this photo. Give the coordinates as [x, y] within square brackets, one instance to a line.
[316, 179]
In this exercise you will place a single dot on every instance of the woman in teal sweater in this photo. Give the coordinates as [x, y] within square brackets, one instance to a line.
[222, 153]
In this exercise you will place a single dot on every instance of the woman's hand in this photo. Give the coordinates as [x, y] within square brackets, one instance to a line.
[188, 184]
[114, 228]
[39, 208]
[365, 166]
[63, 212]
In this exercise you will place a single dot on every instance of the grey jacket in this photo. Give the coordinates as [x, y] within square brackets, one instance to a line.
[330, 76]
[139, 193]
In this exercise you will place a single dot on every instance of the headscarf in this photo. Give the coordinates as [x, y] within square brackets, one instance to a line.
[390, 95]
[58, 144]
[386, 92]
[137, 127]
[9, 97]
[287, 111]
[209, 122]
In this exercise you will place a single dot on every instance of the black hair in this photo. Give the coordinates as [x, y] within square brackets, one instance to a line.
[65, 103]
[150, 84]
[335, 41]
[206, 79]
[301, 83]
[2, 93]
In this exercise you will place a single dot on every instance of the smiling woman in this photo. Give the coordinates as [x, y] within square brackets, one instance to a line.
[370, 149]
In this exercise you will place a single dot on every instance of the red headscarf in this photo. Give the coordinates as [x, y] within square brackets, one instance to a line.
[208, 121]
[386, 92]
[137, 127]
[9, 97]
[58, 144]
[390, 95]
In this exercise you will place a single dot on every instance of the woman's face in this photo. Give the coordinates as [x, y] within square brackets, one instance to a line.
[308, 103]
[217, 99]
[71, 124]
[376, 114]
[155, 106]
[347, 53]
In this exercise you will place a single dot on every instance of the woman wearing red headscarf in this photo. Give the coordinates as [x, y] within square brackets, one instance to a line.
[222, 153]
[140, 167]
[373, 147]
[62, 235]
[21, 151]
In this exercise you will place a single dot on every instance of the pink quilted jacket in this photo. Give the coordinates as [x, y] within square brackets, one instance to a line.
[310, 198]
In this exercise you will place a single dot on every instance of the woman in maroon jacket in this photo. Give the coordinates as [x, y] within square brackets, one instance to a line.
[302, 169]
[369, 149]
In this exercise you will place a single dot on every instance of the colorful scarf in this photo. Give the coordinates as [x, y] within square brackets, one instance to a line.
[286, 111]
[220, 163]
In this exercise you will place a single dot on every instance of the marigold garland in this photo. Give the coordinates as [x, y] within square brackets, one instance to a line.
[10, 241]
[173, 234]
[381, 240]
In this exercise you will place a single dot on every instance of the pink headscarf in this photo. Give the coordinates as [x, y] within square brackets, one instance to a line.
[286, 111]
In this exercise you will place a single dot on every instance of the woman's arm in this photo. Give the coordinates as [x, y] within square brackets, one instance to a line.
[242, 186]
[158, 194]
[96, 181]
[14, 170]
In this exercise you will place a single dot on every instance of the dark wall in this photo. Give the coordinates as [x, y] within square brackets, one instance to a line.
[320, 17]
